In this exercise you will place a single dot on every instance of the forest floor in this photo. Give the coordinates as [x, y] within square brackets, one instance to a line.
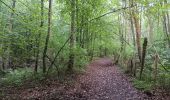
[101, 81]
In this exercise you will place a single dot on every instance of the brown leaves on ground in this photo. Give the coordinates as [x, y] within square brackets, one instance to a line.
[101, 81]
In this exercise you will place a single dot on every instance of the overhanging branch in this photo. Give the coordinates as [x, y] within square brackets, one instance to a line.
[7, 5]
[113, 11]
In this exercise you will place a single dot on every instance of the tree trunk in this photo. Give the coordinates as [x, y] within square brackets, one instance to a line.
[48, 35]
[72, 37]
[166, 25]
[167, 15]
[138, 35]
[39, 36]
[136, 20]
[77, 21]
[143, 56]
[155, 67]
[133, 32]
[11, 21]
[150, 29]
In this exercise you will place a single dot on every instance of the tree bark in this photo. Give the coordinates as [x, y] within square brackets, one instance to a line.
[48, 36]
[166, 24]
[138, 35]
[135, 19]
[133, 31]
[150, 29]
[165, 27]
[143, 56]
[72, 38]
[39, 36]
[156, 58]
[11, 21]
[133, 69]
[167, 15]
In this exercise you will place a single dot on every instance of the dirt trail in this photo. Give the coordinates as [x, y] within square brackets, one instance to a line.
[104, 81]
[101, 81]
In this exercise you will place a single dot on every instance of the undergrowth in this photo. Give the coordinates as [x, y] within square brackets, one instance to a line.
[143, 85]
[18, 76]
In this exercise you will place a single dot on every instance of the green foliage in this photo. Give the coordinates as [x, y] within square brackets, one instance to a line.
[19, 76]
[1, 94]
[142, 85]
[128, 53]
[95, 36]
[164, 80]
[163, 70]
[16, 77]
[81, 58]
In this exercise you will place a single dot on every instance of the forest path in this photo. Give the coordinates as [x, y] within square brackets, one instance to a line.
[104, 81]
[101, 81]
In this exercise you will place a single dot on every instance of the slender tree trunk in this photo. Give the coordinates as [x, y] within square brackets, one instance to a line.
[131, 22]
[167, 16]
[12, 15]
[93, 35]
[87, 35]
[77, 21]
[156, 58]
[81, 31]
[133, 31]
[39, 36]
[48, 36]
[150, 29]
[121, 33]
[10, 60]
[3, 60]
[168, 22]
[143, 56]
[72, 38]
[138, 36]
[136, 21]
[165, 27]
[125, 25]
[83, 21]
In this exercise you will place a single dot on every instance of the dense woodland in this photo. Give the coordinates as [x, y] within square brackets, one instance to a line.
[54, 37]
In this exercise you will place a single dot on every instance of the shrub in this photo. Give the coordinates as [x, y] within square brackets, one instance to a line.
[18, 76]
[142, 85]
